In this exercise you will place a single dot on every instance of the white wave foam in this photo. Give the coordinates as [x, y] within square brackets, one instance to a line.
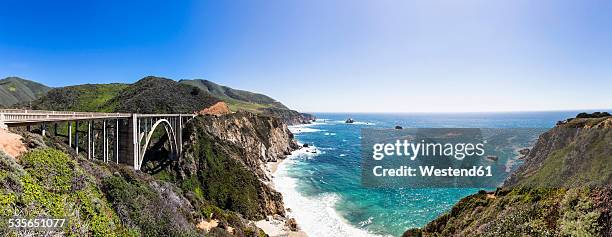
[307, 152]
[298, 130]
[316, 215]
[304, 128]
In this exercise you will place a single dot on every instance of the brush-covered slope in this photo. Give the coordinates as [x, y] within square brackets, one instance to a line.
[575, 153]
[240, 100]
[148, 95]
[564, 188]
[161, 95]
[88, 97]
[14, 90]
[236, 99]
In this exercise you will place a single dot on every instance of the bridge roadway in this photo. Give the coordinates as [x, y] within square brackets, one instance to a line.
[122, 137]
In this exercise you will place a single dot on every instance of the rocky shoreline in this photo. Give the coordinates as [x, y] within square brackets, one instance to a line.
[279, 225]
[262, 143]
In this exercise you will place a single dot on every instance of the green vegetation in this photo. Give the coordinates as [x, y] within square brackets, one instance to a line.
[87, 98]
[223, 181]
[161, 95]
[524, 211]
[142, 208]
[238, 99]
[49, 183]
[579, 217]
[548, 174]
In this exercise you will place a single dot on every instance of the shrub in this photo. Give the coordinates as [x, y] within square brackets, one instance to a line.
[51, 184]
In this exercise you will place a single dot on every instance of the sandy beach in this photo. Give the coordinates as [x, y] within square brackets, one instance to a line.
[277, 225]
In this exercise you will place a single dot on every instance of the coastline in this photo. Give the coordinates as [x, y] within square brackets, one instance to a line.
[315, 215]
[276, 225]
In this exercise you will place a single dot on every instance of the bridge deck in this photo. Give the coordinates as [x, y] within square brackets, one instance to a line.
[17, 116]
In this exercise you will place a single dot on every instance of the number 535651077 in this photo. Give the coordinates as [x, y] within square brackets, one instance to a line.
[36, 222]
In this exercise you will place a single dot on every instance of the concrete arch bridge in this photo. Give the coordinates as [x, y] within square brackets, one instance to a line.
[123, 138]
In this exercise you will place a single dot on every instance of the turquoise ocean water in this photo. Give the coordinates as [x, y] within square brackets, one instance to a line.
[323, 189]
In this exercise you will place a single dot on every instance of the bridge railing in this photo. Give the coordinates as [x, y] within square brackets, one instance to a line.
[163, 115]
[17, 115]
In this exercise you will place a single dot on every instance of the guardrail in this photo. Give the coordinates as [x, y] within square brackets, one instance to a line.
[12, 116]
[23, 116]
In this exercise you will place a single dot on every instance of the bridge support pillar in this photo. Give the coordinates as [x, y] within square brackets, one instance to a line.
[117, 141]
[89, 140]
[180, 136]
[2, 125]
[70, 133]
[76, 137]
[104, 142]
[127, 142]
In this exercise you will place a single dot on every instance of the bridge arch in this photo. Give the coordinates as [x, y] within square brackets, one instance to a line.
[172, 138]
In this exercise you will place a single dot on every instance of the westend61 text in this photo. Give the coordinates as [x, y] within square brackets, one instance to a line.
[432, 171]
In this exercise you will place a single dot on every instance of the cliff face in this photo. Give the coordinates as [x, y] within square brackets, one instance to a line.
[224, 161]
[575, 153]
[564, 188]
[290, 117]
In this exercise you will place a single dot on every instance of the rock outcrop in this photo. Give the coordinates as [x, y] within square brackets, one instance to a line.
[290, 117]
[220, 108]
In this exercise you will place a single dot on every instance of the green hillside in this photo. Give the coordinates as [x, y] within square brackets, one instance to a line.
[161, 95]
[14, 90]
[88, 97]
[236, 99]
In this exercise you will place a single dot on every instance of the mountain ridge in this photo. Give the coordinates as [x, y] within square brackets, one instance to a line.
[14, 90]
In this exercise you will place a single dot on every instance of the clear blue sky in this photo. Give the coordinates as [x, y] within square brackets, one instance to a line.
[393, 56]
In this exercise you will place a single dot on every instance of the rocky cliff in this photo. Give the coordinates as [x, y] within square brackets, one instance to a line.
[290, 117]
[564, 188]
[225, 156]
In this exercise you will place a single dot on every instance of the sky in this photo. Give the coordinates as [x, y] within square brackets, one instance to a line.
[328, 55]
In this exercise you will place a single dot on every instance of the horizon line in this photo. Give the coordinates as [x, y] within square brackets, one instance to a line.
[462, 112]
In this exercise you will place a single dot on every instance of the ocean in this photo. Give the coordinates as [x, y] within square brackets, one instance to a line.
[323, 189]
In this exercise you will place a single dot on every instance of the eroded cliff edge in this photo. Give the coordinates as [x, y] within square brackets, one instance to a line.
[224, 159]
[564, 188]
